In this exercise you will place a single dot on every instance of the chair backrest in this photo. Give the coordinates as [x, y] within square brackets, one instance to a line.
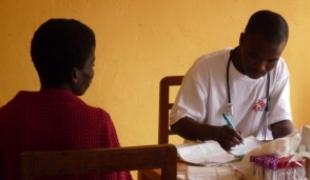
[74, 162]
[165, 106]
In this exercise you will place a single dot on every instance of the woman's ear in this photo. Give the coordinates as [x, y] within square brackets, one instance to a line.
[75, 76]
[76, 80]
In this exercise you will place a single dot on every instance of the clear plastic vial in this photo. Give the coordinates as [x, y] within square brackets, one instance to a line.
[272, 168]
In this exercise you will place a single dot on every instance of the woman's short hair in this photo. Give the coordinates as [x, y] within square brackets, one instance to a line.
[58, 46]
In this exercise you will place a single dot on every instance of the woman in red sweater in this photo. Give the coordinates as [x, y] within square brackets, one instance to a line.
[54, 118]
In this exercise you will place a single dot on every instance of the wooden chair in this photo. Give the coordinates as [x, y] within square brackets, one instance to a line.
[165, 106]
[46, 163]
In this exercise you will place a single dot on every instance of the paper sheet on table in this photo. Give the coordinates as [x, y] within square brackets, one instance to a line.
[249, 144]
[203, 153]
[212, 152]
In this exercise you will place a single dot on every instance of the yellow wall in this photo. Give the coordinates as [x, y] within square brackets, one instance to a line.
[140, 41]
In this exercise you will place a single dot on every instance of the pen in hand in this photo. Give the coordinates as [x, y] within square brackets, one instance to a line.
[230, 124]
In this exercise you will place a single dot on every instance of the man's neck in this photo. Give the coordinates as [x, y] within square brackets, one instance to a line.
[235, 58]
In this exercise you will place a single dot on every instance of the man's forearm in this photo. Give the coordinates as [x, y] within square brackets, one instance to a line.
[192, 130]
[281, 128]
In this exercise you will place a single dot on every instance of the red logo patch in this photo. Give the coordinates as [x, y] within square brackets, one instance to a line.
[259, 105]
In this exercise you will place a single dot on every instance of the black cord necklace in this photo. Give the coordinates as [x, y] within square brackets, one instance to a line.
[229, 108]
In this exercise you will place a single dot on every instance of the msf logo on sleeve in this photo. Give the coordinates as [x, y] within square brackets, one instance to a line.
[259, 105]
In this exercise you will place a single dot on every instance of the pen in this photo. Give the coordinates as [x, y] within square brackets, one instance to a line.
[230, 124]
[228, 121]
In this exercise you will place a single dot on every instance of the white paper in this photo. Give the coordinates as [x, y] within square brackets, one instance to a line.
[249, 144]
[203, 153]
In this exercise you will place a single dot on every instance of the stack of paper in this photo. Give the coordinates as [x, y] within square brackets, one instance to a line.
[209, 152]
[203, 153]
[248, 144]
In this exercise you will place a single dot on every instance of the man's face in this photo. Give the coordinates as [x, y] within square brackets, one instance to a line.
[258, 55]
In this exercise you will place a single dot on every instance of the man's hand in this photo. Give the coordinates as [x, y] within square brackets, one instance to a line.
[192, 130]
[227, 137]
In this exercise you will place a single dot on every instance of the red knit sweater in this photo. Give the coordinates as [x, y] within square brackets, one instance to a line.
[52, 120]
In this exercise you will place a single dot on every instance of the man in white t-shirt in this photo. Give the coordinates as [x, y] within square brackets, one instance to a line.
[234, 93]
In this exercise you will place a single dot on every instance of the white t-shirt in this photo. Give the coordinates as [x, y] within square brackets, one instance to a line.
[203, 95]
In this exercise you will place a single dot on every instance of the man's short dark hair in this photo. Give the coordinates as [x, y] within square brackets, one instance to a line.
[270, 24]
[58, 46]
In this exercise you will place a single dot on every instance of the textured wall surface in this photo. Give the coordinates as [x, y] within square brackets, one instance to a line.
[139, 42]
